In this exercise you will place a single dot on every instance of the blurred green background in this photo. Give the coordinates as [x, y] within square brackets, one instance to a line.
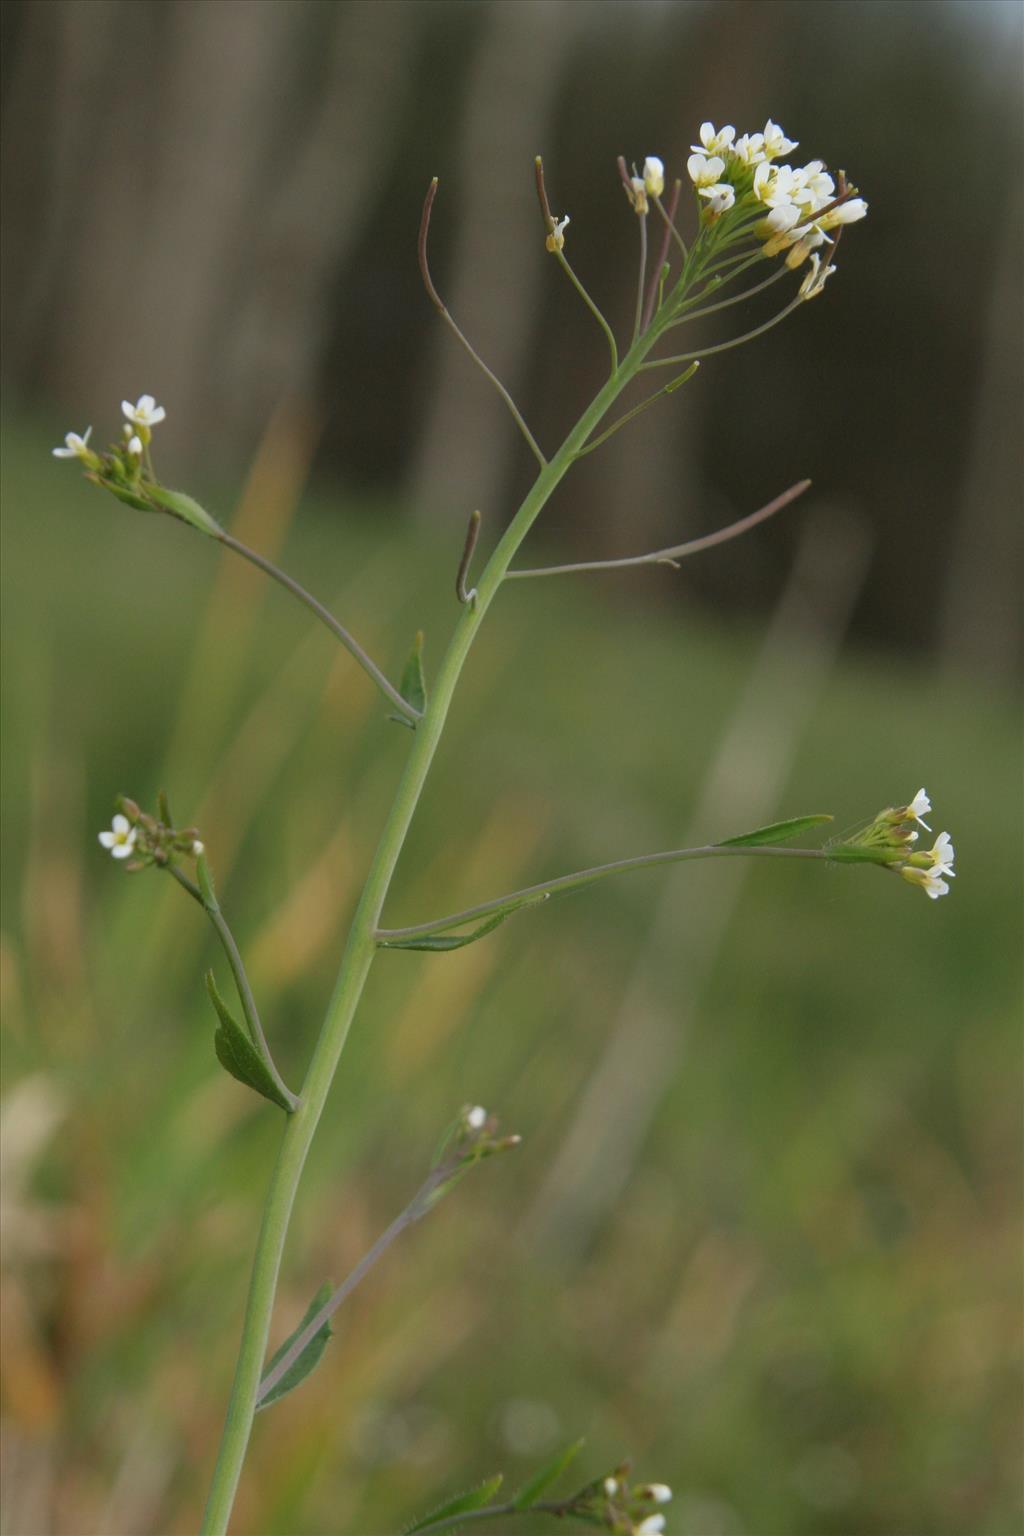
[763, 1232]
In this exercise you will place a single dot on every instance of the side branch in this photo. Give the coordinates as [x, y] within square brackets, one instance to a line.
[583, 877]
[666, 389]
[327, 618]
[441, 307]
[212, 909]
[675, 552]
[549, 225]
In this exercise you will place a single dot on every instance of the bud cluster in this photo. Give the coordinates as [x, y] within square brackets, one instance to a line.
[628, 1509]
[144, 840]
[890, 840]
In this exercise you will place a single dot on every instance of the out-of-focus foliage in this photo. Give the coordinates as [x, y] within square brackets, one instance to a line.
[762, 1230]
[218, 201]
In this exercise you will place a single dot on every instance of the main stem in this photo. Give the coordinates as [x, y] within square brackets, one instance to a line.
[360, 950]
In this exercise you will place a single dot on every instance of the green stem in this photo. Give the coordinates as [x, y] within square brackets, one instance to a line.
[348, 640]
[582, 877]
[245, 996]
[361, 948]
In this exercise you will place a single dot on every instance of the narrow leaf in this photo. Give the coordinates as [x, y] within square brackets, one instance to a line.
[413, 686]
[309, 1359]
[476, 1498]
[775, 832]
[445, 941]
[548, 1474]
[185, 507]
[238, 1055]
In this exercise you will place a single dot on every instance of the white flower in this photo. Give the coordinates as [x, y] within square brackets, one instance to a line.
[75, 447]
[652, 1526]
[639, 193]
[721, 197]
[654, 175]
[145, 412]
[930, 880]
[556, 239]
[918, 807]
[121, 838]
[712, 141]
[704, 172]
[661, 1493]
[780, 219]
[813, 283]
[611, 1487]
[942, 854]
[135, 445]
[846, 213]
[817, 187]
[804, 241]
[749, 150]
[774, 141]
[198, 848]
[476, 1118]
[778, 185]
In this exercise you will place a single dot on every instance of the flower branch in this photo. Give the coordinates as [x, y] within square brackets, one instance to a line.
[471, 1139]
[326, 618]
[554, 230]
[203, 893]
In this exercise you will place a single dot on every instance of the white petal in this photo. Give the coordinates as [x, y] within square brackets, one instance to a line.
[121, 824]
[121, 851]
[108, 839]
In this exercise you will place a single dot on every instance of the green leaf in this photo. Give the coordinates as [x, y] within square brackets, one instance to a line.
[413, 686]
[446, 941]
[476, 1498]
[185, 507]
[775, 832]
[238, 1055]
[309, 1358]
[548, 1474]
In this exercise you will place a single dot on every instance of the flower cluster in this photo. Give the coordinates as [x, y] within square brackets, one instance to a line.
[788, 208]
[890, 840]
[146, 840]
[125, 468]
[625, 1508]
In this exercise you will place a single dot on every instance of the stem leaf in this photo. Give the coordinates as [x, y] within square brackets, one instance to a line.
[413, 686]
[444, 941]
[548, 1474]
[184, 507]
[775, 832]
[475, 1498]
[309, 1359]
[238, 1055]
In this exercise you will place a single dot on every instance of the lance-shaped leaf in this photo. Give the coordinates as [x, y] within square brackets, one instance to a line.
[548, 1474]
[445, 941]
[413, 686]
[238, 1055]
[308, 1358]
[185, 507]
[775, 832]
[476, 1498]
[439, 941]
